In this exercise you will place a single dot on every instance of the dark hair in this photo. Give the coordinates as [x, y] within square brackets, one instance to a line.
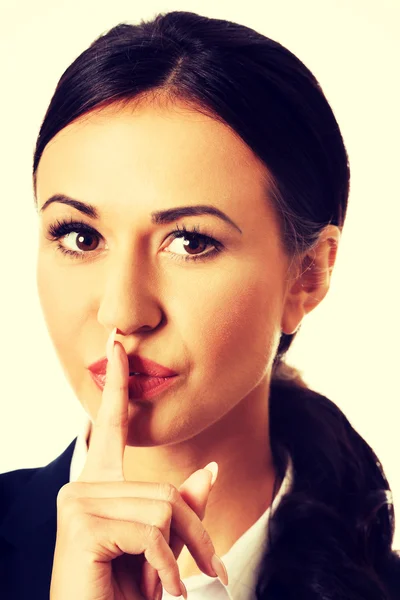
[331, 536]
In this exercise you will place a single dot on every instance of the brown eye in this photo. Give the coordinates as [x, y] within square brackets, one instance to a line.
[192, 243]
[85, 241]
[83, 238]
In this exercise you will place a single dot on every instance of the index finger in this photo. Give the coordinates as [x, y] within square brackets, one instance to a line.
[104, 460]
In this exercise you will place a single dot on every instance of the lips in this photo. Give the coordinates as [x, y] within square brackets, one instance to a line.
[151, 381]
[137, 364]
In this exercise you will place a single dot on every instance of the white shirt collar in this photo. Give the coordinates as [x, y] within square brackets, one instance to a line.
[242, 561]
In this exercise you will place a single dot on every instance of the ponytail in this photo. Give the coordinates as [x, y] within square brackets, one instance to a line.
[331, 535]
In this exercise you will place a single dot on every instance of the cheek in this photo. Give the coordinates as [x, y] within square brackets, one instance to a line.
[62, 306]
[240, 325]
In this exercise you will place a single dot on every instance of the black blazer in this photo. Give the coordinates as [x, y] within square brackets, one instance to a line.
[28, 524]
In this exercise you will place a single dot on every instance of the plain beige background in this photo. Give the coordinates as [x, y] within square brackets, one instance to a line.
[348, 346]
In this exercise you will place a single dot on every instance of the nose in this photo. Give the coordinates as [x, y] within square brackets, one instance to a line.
[129, 297]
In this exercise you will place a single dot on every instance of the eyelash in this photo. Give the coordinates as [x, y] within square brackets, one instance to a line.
[62, 228]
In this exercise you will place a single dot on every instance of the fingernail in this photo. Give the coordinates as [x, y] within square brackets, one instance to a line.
[183, 590]
[219, 569]
[213, 467]
[159, 591]
[110, 344]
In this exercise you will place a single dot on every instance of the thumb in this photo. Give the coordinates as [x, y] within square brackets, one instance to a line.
[195, 490]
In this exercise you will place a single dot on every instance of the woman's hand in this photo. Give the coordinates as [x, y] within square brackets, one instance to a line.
[116, 538]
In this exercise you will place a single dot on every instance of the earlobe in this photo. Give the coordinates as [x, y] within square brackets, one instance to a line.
[312, 282]
[293, 313]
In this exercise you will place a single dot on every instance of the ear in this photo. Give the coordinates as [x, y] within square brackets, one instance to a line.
[308, 282]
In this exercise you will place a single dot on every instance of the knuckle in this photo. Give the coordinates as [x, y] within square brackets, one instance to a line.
[153, 534]
[62, 493]
[71, 508]
[163, 513]
[66, 492]
[169, 492]
[206, 540]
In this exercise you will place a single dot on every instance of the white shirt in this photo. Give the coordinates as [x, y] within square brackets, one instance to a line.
[241, 561]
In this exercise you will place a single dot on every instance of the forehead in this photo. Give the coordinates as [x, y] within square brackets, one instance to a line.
[173, 145]
[167, 155]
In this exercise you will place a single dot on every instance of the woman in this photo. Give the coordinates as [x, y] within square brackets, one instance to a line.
[201, 131]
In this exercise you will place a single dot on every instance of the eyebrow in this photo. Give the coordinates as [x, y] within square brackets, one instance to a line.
[160, 217]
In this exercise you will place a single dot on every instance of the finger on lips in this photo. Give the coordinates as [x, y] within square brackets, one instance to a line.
[104, 460]
[180, 523]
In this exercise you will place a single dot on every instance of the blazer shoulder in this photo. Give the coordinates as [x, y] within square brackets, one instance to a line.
[24, 485]
[10, 484]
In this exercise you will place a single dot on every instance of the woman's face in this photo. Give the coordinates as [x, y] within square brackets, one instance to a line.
[216, 321]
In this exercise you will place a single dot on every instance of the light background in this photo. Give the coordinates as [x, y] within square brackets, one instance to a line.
[348, 346]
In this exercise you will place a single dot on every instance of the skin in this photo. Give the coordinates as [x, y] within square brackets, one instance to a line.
[216, 322]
